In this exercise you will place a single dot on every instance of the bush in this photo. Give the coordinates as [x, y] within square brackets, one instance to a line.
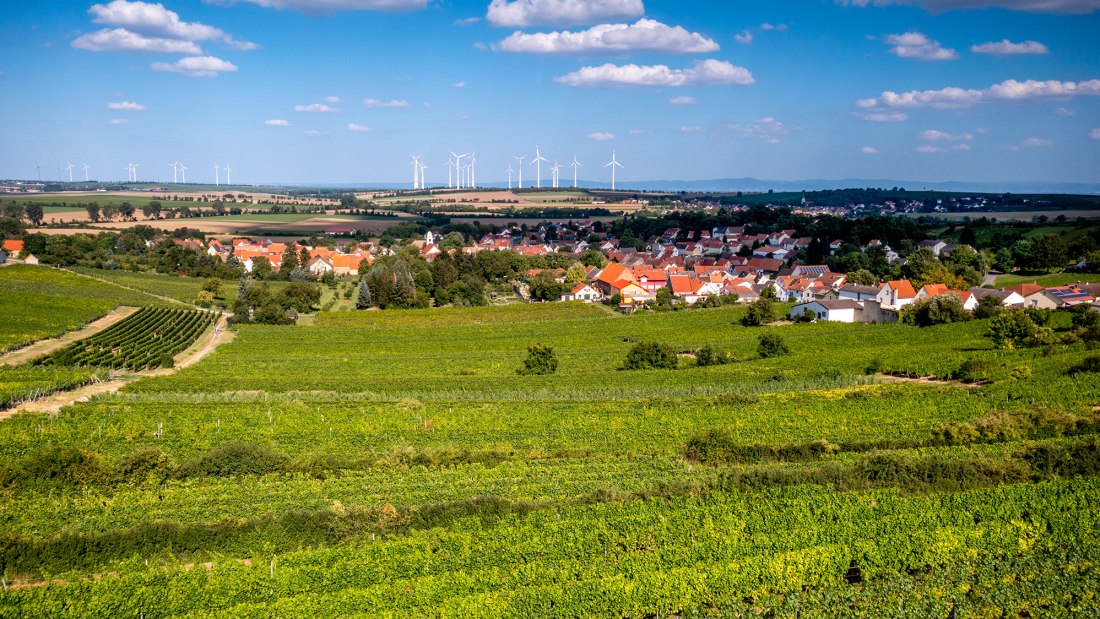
[708, 356]
[59, 465]
[988, 307]
[540, 360]
[1089, 364]
[975, 370]
[761, 312]
[144, 462]
[939, 310]
[772, 345]
[235, 459]
[651, 355]
[876, 366]
[1016, 328]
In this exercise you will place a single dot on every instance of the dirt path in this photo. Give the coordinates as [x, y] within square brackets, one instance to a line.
[924, 380]
[207, 343]
[42, 347]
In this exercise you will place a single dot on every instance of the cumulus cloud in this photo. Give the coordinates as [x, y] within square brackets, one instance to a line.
[459, 84]
[930, 149]
[1094, 134]
[702, 73]
[691, 129]
[355, 128]
[154, 20]
[196, 66]
[469, 21]
[277, 122]
[129, 106]
[1008, 48]
[767, 129]
[521, 13]
[119, 121]
[638, 132]
[779, 27]
[313, 133]
[392, 104]
[961, 147]
[744, 38]
[1037, 143]
[888, 104]
[601, 136]
[683, 101]
[318, 108]
[323, 7]
[918, 46]
[869, 150]
[122, 40]
[643, 35]
[1032, 6]
[934, 135]
[882, 117]
[332, 99]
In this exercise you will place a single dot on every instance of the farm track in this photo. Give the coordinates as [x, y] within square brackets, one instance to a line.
[207, 343]
[43, 347]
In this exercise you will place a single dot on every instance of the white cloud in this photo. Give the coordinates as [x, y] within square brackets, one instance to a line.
[779, 27]
[1033, 6]
[469, 21]
[129, 106]
[520, 13]
[318, 108]
[1062, 111]
[322, 7]
[154, 20]
[638, 132]
[767, 129]
[929, 149]
[1008, 48]
[1009, 90]
[196, 66]
[1037, 142]
[702, 73]
[313, 133]
[355, 128]
[122, 40]
[883, 117]
[961, 147]
[644, 35]
[1094, 134]
[119, 121]
[393, 103]
[933, 135]
[869, 150]
[277, 122]
[683, 101]
[745, 37]
[601, 136]
[918, 46]
[460, 84]
[691, 129]
[332, 100]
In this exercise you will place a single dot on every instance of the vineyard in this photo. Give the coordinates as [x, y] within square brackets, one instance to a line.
[147, 339]
[395, 463]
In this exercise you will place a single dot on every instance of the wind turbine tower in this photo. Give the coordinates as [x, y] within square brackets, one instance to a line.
[473, 170]
[423, 181]
[520, 160]
[86, 166]
[69, 165]
[175, 171]
[509, 176]
[576, 164]
[415, 163]
[217, 169]
[458, 168]
[555, 172]
[183, 173]
[613, 164]
[228, 171]
[538, 167]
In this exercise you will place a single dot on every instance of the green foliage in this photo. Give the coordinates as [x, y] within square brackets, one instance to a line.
[363, 300]
[707, 356]
[1090, 364]
[938, 310]
[772, 345]
[862, 277]
[760, 312]
[1015, 328]
[540, 360]
[245, 458]
[988, 307]
[651, 356]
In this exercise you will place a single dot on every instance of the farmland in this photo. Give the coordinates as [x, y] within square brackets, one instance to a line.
[394, 463]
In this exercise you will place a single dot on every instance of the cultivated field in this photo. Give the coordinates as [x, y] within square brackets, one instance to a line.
[393, 463]
[1021, 215]
[503, 199]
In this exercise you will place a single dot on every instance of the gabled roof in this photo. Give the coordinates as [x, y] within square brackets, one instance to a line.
[1070, 294]
[982, 293]
[13, 245]
[683, 284]
[614, 272]
[1025, 290]
[903, 287]
[839, 304]
[860, 289]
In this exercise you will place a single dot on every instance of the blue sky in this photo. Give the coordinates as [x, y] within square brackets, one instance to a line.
[323, 91]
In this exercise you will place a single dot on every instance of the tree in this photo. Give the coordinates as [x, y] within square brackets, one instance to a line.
[35, 213]
[651, 356]
[761, 312]
[363, 301]
[940, 309]
[988, 307]
[93, 211]
[290, 260]
[303, 259]
[213, 285]
[1014, 328]
[664, 296]
[772, 345]
[151, 210]
[300, 296]
[540, 360]
[862, 277]
[706, 356]
[1049, 252]
[575, 273]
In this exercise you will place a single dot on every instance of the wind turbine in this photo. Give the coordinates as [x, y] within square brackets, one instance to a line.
[450, 165]
[575, 165]
[458, 168]
[216, 170]
[183, 173]
[555, 172]
[175, 171]
[613, 164]
[415, 163]
[520, 160]
[473, 169]
[132, 170]
[509, 176]
[86, 166]
[538, 167]
[423, 181]
[227, 178]
[70, 166]
[38, 167]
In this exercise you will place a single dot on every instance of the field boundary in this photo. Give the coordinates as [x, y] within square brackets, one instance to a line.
[41, 347]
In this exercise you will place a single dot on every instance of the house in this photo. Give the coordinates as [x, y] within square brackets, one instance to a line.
[1070, 295]
[610, 275]
[769, 251]
[13, 247]
[764, 265]
[896, 293]
[582, 292]
[1036, 296]
[857, 292]
[30, 259]
[839, 310]
[935, 245]
[347, 264]
[320, 266]
[929, 291]
[1007, 297]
